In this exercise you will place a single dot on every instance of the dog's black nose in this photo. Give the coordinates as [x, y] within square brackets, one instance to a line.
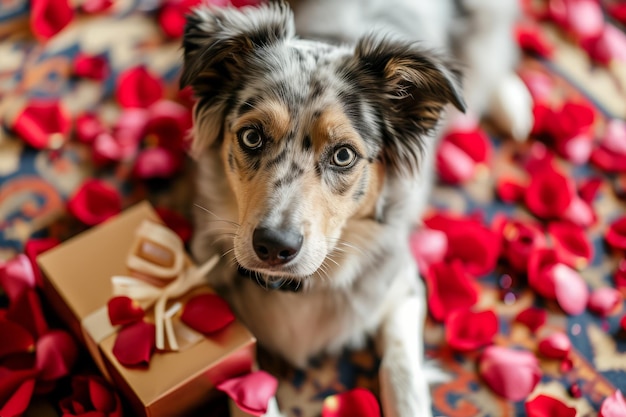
[276, 246]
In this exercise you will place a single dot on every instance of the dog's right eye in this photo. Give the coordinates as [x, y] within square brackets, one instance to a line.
[250, 138]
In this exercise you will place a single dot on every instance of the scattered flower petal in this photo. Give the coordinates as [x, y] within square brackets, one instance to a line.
[56, 354]
[532, 317]
[156, 163]
[579, 212]
[604, 301]
[106, 149]
[510, 190]
[17, 275]
[549, 194]
[613, 406]
[571, 244]
[207, 313]
[26, 311]
[453, 165]
[467, 330]
[519, 240]
[428, 247]
[540, 263]
[449, 288]
[43, 124]
[570, 289]
[135, 344]
[555, 346]
[94, 202]
[90, 66]
[169, 123]
[589, 189]
[91, 396]
[608, 47]
[357, 402]
[124, 310]
[49, 17]
[251, 392]
[137, 87]
[88, 127]
[616, 234]
[532, 40]
[15, 338]
[544, 406]
[17, 403]
[513, 374]
[35, 247]
[620, 276]
[96, 6]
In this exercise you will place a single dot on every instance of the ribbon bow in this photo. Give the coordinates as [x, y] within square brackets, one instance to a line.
[158, 256]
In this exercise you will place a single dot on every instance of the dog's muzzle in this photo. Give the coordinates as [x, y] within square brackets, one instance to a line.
[279, 284]
[276, 246]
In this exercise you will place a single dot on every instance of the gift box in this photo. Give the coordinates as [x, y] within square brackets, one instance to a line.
[78, 284]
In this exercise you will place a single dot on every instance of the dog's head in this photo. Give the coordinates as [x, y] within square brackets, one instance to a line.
[306, 130]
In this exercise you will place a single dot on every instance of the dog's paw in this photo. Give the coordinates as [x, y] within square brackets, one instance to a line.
[511, 108]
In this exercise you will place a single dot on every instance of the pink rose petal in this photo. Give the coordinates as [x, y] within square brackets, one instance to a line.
[35, 247]
[603, 301]
[579, 212]
[428, 246]
[251, 392]
[156, 163]
[570, 289]
[555, 346]
[16, 275]
[513, 374]
[453, 164]
[56, 354]
[613, 406]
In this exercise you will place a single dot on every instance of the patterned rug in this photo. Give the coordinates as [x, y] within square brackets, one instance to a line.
[36, 184]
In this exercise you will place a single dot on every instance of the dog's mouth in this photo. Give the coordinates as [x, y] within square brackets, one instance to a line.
[272, 282]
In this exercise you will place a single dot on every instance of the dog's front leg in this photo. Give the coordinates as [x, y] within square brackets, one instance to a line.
[404, 388]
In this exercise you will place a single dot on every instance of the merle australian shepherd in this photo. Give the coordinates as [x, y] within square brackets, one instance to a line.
[314, 140]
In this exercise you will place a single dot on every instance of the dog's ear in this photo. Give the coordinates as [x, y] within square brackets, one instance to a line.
[219, 46]
[410, 86]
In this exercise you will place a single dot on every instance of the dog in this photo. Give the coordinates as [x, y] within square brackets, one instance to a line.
[315, 160]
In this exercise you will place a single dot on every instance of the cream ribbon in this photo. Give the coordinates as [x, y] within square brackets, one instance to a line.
[147, 294]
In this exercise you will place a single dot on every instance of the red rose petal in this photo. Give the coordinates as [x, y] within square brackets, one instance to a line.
[251, 392]
[519, 241]
[510, 190]
[453, 164]
[616, 234]
[449, 288]
[571, 244]
[469, 241]
[56, 354]
[357, 402]
[576, 149]
[613, 406]
[26, 311]
[94, 202]
[555, 346]
[43, 124]
[608, 161]
[175, 221]
[532, 40]
[467, 330]
[135, 344]
[207, 313]
[603, 301]
[544, 406]
[609, 47]
[92, 67]
[169, 123]
[156, 163]
[103, 397]
[617, 11]
[571, 120]
[106, 149]
[124, 310]
[35, 247]
[18, 402]
[49, 17]
[96, 6]
[428, 247]
[15, 338]
[570, 289]
[88, 127]
[172, 20]
[532, 317]
[589, 189]
[513, 374]
[583, 18]
[622, 322]
[540, 263]
[16, 275]
[475, 143]
[137, 87]
[549, 194]
[11, 380]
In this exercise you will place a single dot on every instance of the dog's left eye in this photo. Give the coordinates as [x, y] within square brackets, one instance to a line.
[250, 138]
[343, 157]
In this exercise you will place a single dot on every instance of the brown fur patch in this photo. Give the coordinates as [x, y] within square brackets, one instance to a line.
[334, 125]
[272, 115]
[367, 207]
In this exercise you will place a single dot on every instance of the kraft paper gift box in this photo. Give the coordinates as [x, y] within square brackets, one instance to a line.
[78, 285]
